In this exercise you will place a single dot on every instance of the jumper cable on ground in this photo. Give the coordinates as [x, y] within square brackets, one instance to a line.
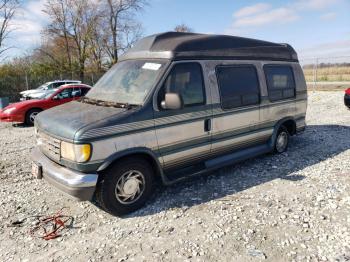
[52, 226]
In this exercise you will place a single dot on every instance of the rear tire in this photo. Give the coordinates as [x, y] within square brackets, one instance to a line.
[282, 140]
[30, 116]
[126, 186]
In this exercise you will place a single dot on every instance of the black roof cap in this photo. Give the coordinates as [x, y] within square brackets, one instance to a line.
[177, 46]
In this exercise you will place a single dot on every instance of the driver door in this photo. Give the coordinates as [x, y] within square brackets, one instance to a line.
[184, 135]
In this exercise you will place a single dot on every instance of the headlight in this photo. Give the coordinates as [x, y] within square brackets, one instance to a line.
[77, 153]
[9, 110]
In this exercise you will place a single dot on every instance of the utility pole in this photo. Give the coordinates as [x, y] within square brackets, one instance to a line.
[316, 68]
[27, 85]
[315, 73]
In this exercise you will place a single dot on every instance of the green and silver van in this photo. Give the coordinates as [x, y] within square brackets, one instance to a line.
[174, 106]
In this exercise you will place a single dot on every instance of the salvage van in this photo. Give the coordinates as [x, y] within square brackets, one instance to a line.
[174, 106]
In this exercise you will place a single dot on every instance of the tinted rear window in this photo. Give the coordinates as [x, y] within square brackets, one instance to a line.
[280, 82]
[239, 86]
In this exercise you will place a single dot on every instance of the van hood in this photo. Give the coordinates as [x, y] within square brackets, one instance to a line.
[66, 120]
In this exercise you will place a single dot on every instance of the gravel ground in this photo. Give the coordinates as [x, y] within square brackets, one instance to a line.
[289, 207]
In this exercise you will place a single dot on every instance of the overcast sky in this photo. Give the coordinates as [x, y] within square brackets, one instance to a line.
[315, 28]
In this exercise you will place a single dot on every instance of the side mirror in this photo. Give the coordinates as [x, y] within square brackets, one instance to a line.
[172, 101]
[55, 98]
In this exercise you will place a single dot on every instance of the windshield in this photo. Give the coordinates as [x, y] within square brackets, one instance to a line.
[127, 82]
[42, 86]
[47, 95]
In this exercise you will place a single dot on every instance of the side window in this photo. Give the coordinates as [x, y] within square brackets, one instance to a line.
[185, 79]
[55, 85]
[280, 82]
[239, 86]
[66, 93]
[84, 91]
[76, 92]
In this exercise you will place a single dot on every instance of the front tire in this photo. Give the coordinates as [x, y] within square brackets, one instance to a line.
[126, 186]
[30, 116]
[282, 140]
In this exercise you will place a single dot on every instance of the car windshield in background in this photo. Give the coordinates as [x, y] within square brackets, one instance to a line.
[47, 95]
[128, 82]
[42, 86]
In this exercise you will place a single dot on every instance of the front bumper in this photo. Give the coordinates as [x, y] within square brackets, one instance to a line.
[11, 118]
[347, 100]
[79, 185]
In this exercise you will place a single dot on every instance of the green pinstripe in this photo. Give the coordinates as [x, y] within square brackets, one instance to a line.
[211, 111]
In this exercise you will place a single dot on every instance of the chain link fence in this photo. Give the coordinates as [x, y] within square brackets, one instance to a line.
[327, 71]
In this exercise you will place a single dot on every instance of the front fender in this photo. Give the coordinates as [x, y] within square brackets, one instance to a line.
[134, 151]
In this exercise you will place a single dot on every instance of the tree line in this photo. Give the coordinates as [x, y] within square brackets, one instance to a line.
[81, 34]
[326, 65]
[82, 40]
[89, 33]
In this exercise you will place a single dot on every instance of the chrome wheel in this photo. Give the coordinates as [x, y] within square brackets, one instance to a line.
[32, 116]
[282, 142]
[130, 187]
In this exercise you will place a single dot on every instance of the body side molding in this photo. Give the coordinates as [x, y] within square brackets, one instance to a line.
[135, 151]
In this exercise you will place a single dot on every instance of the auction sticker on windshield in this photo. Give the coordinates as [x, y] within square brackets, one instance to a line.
[151, 66]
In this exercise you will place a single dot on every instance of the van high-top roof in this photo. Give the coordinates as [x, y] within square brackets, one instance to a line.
[180, 46]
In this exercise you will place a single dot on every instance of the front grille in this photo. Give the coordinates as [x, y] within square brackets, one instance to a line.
[50, 146]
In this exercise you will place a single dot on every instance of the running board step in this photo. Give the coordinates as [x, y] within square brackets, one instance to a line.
[216, 163]
[237, 156]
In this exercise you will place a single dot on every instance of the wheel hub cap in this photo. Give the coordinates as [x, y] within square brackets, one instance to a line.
[281, 141]
[130, 187]
[32, 116]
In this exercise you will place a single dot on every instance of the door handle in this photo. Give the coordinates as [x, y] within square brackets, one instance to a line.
[207, 125]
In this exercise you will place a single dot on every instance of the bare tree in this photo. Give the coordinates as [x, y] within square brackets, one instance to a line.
[183, 28]
[120, 20]
[7, 12]
[97, 47]
[84, 17]
[53, 48]
[58, 11]
[75, 21]
[92, 32]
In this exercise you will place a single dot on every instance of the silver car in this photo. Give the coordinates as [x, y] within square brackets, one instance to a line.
[174, 106]
[45, 88]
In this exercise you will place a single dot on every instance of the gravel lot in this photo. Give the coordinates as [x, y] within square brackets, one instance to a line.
[291, 207]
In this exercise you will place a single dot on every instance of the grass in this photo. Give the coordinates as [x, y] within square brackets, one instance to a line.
[332, 73]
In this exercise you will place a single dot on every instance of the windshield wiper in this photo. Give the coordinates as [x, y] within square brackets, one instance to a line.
[97, 102]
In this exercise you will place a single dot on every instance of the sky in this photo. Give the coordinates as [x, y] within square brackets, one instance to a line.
[315, 28]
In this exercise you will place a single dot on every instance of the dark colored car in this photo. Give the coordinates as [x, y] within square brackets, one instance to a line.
[347, 98]
[26, 111]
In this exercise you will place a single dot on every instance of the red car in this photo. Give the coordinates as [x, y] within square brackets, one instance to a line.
[26, 111]
[347, 98]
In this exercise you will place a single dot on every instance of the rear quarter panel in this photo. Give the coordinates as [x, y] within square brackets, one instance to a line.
[273, 111]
